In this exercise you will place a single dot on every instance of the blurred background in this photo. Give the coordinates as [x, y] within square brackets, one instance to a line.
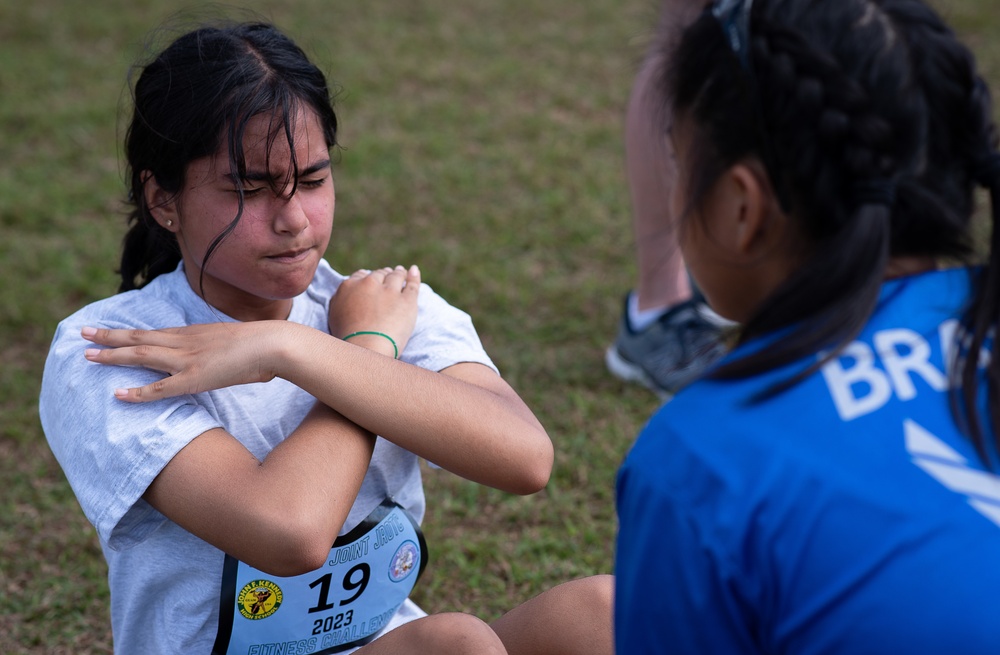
[481, 140]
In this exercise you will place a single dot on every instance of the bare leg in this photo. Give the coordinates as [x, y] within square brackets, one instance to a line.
[438, 634]
[664, 340]
[651, 171]
[649, 165]
[573, 618]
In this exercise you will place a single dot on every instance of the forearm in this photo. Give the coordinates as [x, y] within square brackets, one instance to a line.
[465, 419]
[281, 514]
[317, 471]
[469, 422]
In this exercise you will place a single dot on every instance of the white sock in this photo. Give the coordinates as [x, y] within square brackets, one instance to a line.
[641, 319]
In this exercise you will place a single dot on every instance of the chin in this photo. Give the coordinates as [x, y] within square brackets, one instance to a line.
[284, 289]
[726, 312]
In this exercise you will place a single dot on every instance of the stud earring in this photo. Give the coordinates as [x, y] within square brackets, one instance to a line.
[170, 222]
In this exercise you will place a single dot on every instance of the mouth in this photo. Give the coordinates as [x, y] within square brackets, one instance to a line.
[290, 256]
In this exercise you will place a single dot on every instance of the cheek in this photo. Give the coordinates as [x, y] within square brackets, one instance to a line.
[320, 211]
[200, 229]
[676, 205]
[691, 241]
[702, 262]
[320, 214]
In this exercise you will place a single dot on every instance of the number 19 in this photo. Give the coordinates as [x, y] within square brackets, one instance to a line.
[351, 582]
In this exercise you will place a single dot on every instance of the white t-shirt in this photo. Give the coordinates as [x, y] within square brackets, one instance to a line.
[164, 581]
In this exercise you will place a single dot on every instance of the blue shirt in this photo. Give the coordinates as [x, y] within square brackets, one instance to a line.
[846, 515]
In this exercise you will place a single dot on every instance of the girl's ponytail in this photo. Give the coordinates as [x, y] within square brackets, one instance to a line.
[873, 127]
[835, 133]
[148, 250]
[982, 321]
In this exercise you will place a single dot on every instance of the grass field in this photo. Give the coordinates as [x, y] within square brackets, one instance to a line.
[481, 139]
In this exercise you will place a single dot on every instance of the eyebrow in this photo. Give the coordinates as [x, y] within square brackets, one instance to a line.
[261, 176]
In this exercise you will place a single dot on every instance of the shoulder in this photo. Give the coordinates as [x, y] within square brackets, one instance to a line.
[703, 438]
[327, 280]
[713, 443]
[431, 303]
[110, 450]
[167, 301]
[152, 307]
[132, 309]
[916, 299]
[444, 335]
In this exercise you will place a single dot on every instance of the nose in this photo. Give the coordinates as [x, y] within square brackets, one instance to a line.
[289, 216]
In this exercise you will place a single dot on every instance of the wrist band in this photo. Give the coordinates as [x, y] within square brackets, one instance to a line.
[395, 348]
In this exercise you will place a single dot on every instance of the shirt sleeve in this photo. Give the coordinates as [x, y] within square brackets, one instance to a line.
[444, 336]
[110, 450]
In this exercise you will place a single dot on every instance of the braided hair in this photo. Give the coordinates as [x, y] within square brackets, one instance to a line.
[964, 153]
[196, 97]
[874, 128]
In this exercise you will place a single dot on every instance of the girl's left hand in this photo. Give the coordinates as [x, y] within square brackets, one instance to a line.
[383, 301]
[197, 357]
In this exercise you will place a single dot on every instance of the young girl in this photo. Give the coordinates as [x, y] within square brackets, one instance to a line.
[244, 503]
[831, 487]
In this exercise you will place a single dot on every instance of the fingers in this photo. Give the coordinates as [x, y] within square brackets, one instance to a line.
[152, 349]
[169, 387]
[413, 279]
[146, 356]
[195, 357]
[156, 391]
[119, 338]
[182, 378]
[397, 277]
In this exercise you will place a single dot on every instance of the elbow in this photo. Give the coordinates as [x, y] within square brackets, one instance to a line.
[298, 556]
[306, 556]
[536, 472]
[299, 545]
[533, 484]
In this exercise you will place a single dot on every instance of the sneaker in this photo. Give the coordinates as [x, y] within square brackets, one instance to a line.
[672, 351]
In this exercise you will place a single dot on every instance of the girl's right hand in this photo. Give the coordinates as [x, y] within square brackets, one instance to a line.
[383, 301]
[195, 358]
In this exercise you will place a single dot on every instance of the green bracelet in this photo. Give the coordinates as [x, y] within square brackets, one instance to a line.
[395, 348]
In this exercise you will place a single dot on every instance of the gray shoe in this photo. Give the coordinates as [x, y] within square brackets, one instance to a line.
[675, 349]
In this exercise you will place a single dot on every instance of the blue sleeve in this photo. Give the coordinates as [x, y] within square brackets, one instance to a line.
[677, 589]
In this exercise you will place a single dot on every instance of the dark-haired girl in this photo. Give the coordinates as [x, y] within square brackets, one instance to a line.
[831, 485]
[244, 502]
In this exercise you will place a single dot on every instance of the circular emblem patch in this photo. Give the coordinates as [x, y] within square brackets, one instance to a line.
[404, 561]
[259, 599]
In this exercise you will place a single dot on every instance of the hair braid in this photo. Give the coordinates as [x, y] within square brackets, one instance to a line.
[982, 319]
[831, 129]
[936, 204]
[834, 135]
[869, 129]
[148, 250]
[962, 153]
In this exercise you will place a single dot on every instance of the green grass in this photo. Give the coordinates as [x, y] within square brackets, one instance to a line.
[481, 139]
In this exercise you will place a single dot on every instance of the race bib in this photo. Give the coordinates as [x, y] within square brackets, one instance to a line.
[343, 604]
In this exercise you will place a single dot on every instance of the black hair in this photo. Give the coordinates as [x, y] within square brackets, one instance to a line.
[873, 126]
[196, 97]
